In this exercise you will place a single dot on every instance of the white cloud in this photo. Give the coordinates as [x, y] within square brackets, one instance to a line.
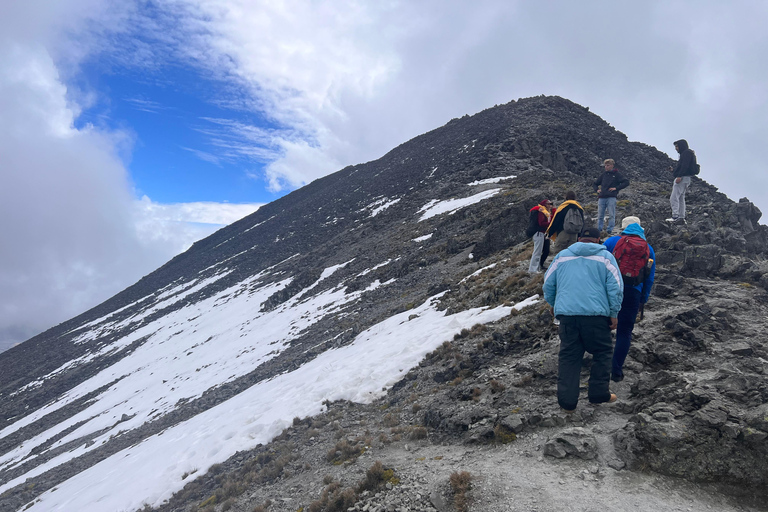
[73, 234]
[180, 225]
[347, 81]
[338, 83]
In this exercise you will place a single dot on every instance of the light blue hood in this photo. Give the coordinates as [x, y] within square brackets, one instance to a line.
[634, 229]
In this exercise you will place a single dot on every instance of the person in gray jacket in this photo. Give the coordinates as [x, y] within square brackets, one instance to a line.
[567, 222]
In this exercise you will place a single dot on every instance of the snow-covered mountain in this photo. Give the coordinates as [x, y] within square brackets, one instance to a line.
[333, 292]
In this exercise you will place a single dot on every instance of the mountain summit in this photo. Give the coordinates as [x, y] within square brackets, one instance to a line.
[399, 285]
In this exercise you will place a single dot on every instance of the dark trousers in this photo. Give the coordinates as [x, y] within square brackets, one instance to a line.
[579, 334]
[544, 252]
[629, 308]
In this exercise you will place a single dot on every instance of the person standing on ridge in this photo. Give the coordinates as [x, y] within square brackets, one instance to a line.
[567, 222]
[635, 294]
[538, 221]
[607, 186]
[585, 289]
[682, 172]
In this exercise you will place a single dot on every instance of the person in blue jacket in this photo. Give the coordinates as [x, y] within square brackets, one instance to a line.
[634, 297]
[584, 286]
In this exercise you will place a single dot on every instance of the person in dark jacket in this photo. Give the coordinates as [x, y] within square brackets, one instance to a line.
[567, 222]
[608, 185]
[634, 298]
[540, 216]
[682, 172]
[584, 287]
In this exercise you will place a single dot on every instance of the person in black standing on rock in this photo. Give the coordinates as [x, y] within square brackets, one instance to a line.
[608, 185]
[682, 172]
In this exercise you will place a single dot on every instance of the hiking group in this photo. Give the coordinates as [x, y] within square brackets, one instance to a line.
[593, 287]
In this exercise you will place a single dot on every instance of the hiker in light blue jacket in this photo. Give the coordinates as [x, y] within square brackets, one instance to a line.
[584, 286]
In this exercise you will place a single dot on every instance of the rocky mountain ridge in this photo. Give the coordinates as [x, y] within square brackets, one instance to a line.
[435, 226]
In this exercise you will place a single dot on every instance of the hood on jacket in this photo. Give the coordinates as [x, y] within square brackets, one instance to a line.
[634, 229]
[682, 145]
[585, 249]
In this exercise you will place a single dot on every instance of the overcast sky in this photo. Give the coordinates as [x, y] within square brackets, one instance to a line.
[130, 129]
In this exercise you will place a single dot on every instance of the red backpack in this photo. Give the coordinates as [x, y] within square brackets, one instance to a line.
[632, 255]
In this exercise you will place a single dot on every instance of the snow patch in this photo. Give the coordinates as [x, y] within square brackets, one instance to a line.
[451, 206]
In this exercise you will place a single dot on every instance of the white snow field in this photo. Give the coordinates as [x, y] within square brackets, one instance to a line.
[203, 345]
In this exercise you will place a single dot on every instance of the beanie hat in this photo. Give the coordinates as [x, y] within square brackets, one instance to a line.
[626, 221]
[544, 202]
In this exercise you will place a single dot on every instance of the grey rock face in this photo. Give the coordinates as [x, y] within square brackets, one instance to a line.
[575, 441]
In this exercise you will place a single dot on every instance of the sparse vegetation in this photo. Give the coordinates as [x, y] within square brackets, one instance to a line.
[418, 433]
[496, 386]
[344, 451]
[461, 484]
[334, 499]
[503, 435]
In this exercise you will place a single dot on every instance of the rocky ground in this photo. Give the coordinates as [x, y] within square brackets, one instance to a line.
[688, 432]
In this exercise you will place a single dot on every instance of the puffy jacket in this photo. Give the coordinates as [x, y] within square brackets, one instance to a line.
[686, 165]
[584, 280]
[610, 179]
[647, 284]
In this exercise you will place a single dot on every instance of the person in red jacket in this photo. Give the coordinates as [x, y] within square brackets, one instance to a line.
[538, 222]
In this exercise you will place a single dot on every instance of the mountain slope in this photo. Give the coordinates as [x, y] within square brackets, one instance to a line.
[338, 289]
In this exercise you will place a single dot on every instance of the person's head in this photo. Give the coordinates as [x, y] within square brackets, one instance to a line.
[546, 203]
[609, 164]
[626, 221]
[570, 195]
[681, 145]
[590, 235]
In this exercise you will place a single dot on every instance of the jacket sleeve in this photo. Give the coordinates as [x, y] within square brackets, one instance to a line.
[614, 286]
[648, 283]
[623, 181]
[543, 221]
[550, 283]
[597, 182]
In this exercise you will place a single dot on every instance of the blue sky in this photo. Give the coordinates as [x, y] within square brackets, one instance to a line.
[131, 129]
[176, 153]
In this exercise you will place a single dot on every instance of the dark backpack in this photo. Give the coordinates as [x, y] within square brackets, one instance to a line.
[632, 254]
[533, 224]
[696, 169]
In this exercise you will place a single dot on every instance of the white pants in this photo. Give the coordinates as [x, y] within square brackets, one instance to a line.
[538, 247]
[677, 198]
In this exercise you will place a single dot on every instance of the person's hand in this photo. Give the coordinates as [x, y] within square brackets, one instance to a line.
[614, 323]
[611, 189]
[678, 180]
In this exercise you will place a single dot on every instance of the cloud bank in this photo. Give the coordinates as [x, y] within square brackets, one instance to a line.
[336, 83]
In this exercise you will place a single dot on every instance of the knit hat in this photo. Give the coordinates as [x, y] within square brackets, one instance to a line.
[590, 233]
[626, 221]
[544, 202]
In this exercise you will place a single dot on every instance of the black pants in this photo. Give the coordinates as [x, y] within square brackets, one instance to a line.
[544, 252]
[579, 334]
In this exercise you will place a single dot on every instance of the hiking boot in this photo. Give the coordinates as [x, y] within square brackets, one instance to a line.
[568, 411]
[680, 222]
[671, 219]
[617, 378]
[613, 398]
